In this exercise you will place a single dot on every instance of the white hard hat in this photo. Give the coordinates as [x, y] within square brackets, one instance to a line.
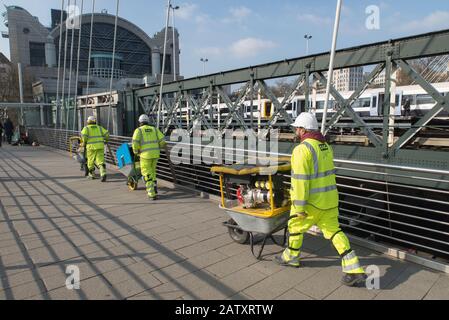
[91, 119]
[144, 119]
[307, 121]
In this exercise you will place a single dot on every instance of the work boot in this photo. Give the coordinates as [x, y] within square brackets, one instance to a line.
[353, 280]
[91, 176]
[103, 178]
[152, 198]
[293, 262]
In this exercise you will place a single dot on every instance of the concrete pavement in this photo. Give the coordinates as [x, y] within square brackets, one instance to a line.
[128, 248]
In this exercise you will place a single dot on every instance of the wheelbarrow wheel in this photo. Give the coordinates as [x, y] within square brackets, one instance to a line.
[132, 184]
[238, 235]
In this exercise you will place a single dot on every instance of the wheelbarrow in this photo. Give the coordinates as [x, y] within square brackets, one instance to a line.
[129, 166]
[256, 200]
[79, 155]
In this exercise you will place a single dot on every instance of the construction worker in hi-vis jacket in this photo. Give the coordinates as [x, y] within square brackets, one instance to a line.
[93, 137]
[315, 200]
[147, 144]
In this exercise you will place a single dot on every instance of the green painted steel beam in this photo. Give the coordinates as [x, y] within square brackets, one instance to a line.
[429, 44]
[351, 113]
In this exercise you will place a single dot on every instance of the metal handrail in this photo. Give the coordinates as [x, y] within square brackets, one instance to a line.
[397, 204]
[399, 211]
[365, 164]
[391, 184]
[391, 193]
[393, 238]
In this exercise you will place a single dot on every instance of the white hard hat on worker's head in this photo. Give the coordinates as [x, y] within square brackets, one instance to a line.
[307, 121]
[91, 119]
[144, 119]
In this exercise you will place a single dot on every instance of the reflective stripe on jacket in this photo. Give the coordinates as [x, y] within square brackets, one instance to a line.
[313, 177]
[94, 137]
[147, 142]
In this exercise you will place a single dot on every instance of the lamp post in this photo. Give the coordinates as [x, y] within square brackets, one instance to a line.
[331, 64]
[174, 41]
[308, 38]
[204, 61]
[163, 64]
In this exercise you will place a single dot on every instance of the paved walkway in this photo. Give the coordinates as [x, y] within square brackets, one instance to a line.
[128, 248]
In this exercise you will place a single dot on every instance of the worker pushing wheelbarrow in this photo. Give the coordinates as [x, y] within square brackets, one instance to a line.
[261, 203]
[140, 159]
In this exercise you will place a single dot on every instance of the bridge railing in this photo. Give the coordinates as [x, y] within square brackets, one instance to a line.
[381, 210]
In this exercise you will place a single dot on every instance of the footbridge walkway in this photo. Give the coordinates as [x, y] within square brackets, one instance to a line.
[127, 248]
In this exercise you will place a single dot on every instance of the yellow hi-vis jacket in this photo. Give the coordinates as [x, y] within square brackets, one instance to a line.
[147, 142]
[94, 137]
[313, 177]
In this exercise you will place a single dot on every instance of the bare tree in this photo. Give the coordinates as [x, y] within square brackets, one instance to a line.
[9, 85]
[9, 91]
[282, 87]
[433, 69]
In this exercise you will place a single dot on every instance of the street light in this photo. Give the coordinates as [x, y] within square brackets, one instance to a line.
[308, 38]
[163, 63]
[174, 41]
[331, 64]
[204, 61]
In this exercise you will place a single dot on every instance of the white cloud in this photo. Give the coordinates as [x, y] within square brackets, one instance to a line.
[314, 19]
[238, 15]
[203, 19]
[434, 21]
[241, 49]
[250, 47]
[192, 13]
[186, 11]
[209, 51]
[240, 12]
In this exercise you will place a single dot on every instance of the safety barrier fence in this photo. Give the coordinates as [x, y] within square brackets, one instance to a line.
[407, 217]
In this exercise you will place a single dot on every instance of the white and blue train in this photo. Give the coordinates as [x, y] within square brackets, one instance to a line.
[411, 101]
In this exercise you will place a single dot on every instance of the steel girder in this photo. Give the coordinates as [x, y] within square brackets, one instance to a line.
[347, 107]
[279, 110]
[233, 107]
[199, 117]
[430, 44]
[442, 104]
[387, 56]
[172, 118]
[348, 103]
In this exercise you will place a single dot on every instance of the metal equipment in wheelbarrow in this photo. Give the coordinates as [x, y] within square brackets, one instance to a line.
[256, 199]
[129, 165]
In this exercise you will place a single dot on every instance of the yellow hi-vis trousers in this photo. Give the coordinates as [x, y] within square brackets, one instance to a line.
[96, 157]
[327, 221]
[148, 170]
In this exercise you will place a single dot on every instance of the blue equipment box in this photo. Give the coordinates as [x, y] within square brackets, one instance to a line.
[125, 156]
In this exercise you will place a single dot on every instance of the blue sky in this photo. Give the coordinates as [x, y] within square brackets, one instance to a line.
[233, 34]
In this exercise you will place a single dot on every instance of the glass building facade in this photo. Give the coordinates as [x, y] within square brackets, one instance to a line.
[133, 55]
[101, 65]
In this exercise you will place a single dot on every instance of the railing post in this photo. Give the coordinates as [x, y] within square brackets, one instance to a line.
[306, 88]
